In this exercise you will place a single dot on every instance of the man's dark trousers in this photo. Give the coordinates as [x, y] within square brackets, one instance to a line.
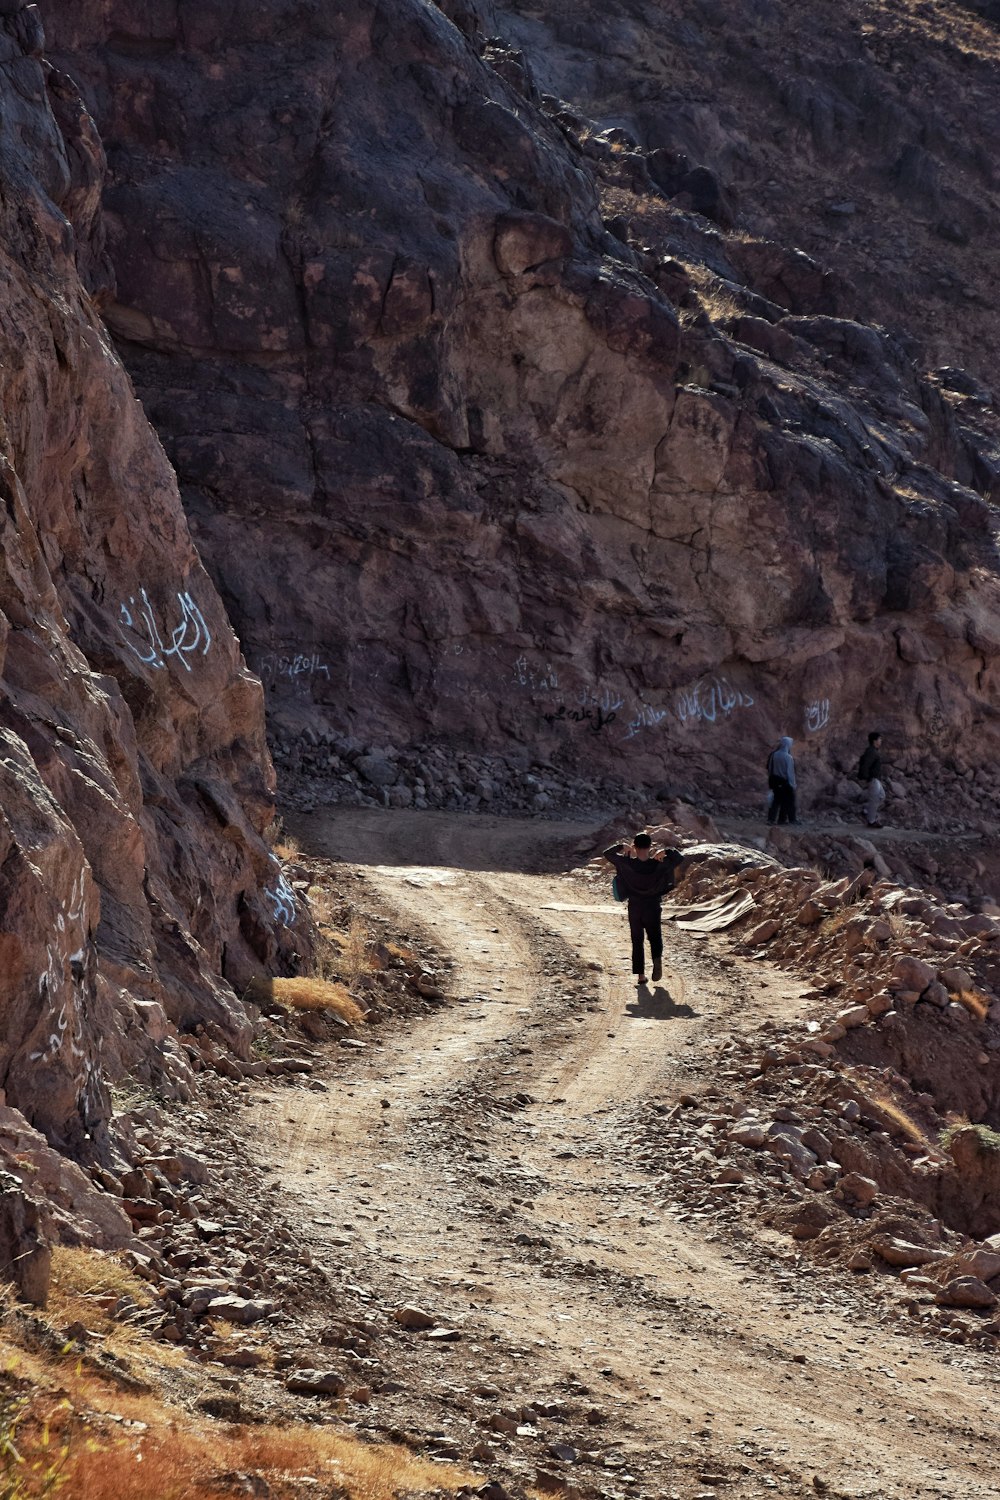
[644, 921]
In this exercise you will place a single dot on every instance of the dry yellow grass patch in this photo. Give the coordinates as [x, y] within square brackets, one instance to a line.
[400, 950]
[68, 1430]
[975, 1002]
[318, 994]
[893, 1112]
[357, 955]
[153, 1453]
[84, 1282]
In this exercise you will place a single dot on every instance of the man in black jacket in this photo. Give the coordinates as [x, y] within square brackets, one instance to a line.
[646, 878]
[870, 775]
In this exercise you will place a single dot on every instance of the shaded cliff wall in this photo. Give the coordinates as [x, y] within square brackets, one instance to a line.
[487, 435]
[134, 775]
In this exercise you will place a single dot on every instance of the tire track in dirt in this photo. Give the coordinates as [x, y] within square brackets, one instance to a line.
[525, 1224]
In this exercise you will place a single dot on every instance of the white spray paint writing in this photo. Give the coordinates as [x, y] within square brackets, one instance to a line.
[295, 669]
[63, 988]
[709, 699]
[185, 638]
[817, 715]
[62, 978]
[646, 717]
[282, 899]
[542, 681]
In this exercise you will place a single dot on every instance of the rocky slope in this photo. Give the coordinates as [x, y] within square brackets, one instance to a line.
[134, 776]
[490, 434]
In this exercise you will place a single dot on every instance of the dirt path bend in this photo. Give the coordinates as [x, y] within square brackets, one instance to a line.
[480, 1160]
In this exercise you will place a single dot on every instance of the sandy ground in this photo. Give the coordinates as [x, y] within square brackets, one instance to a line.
[481, 1162]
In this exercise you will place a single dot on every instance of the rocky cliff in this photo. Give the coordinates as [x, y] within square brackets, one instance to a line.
[134, 776]
[505, 424]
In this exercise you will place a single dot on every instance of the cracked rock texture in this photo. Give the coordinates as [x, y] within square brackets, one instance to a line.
[493, 421]
[134, 776]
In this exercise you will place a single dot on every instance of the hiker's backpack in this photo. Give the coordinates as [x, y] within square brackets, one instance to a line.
[618, 890]
[773, 782]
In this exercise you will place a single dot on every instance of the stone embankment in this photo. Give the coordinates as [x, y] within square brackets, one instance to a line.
[875, 1120]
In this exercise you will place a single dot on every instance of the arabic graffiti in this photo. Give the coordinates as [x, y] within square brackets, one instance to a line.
[595, 710]
[646, 717]
[295, 668]
[817, 715]
[282, 899]
[594, 717]
[709, 699]
[185, 639]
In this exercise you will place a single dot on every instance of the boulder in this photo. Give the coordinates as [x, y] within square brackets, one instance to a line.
[856, 1189]
[966, 1291]
[897, 1252]
[25, 1254]
[911, 973]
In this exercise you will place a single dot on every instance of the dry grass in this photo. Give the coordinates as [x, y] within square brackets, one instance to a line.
[357, 955]
[136, 1448]
[896, 1117]
[976, 1003]
[318, 994]
[84, 1282]
[67, 1430]
[287, 847]
[716, 297]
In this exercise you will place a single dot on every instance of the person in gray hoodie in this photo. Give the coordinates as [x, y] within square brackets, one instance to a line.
[781, 780]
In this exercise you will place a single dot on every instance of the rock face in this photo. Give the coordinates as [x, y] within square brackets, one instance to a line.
[134, 776]
[486, 434]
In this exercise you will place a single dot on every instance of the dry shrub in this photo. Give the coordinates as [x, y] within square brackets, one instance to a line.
[80, 1273]
[975, 1002]
[168, 1461]
[356, 951]
[894, 1114]
[287, 847]
[318, 994]
[81, 1281]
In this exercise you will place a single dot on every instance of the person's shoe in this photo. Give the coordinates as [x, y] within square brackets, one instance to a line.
[657, 971]
[876, 825]
[640, 979]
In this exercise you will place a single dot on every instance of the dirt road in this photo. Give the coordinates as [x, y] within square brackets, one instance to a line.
[483, 1162]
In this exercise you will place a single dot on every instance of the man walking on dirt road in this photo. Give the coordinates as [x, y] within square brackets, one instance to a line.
[646, 877]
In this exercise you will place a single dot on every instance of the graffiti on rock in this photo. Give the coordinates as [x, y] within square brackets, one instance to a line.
[297, 668]
[594, 717]
[646, 717]
[817, 715]
[189, 636]
[710, 699]
[62, 985]
[544, 680]
[282, 899]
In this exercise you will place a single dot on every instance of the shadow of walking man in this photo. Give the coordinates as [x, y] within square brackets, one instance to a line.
[657, 1005]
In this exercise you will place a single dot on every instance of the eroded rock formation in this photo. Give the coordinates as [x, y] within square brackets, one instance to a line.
[134, 776]
[488, 435]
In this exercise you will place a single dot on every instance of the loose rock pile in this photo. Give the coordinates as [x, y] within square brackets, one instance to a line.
[325, 770]
[840, 1128]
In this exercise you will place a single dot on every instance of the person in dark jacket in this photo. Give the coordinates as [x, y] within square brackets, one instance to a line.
[781, 780]
[646, 877]
[870, 776]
